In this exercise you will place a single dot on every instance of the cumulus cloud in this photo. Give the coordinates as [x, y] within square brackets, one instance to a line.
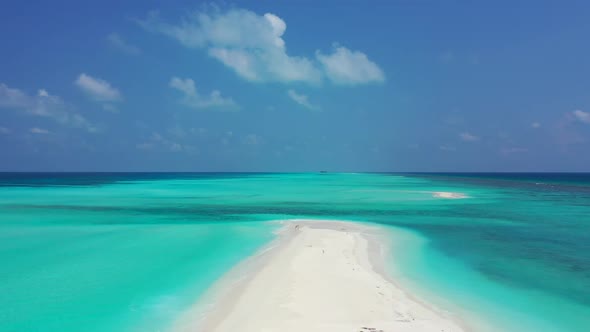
[468, 137]
[43, 104]
[302, 100]
[117, 42]
[582, 116]
[98, 89]
[39, 131]
[193, 98]
[252, 45]
[344, 66]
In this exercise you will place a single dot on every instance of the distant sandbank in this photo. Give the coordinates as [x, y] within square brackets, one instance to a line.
[450, 195]
[317, 276]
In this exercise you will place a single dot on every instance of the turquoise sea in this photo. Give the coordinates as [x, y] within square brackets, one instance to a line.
[131, 252]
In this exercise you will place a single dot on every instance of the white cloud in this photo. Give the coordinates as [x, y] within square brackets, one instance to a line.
[4, 131]
[468, 137]
[248, 43]
[566, 131]
[194, 99]
[39, 131]
[119, 43]
[10, 97]
[536, 125]
[253, 46]
[582, 116]
[43, 105]
[344, 66]
[302, 100]
[98, 89]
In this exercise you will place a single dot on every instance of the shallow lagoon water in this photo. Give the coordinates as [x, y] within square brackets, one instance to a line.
[133, 251]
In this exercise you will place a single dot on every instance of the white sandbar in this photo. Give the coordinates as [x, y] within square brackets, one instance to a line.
[318, 276]
[449, 195]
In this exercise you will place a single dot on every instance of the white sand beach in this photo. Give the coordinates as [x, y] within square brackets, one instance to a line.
[317, 276]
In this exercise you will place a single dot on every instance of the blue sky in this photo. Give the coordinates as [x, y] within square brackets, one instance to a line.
[295, 86]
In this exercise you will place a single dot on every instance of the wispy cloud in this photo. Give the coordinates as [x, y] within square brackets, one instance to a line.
[582, 116]
[536, 125]
[461, 58]
[193, 98]
[98, 89]
[252, 139]
[39, 131]
[158, 141]
[253, 46]
[468, 137]
[567, 131]
[15, 98]
[4, 131]
[227, 137]
[110, 108]
[43, 104]
[117, 42]
[302, 100]
[447, 56]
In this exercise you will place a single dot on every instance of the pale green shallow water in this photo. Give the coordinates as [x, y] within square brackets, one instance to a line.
[130, 252]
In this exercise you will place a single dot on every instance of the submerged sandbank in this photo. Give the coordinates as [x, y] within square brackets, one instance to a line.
[317, 276]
